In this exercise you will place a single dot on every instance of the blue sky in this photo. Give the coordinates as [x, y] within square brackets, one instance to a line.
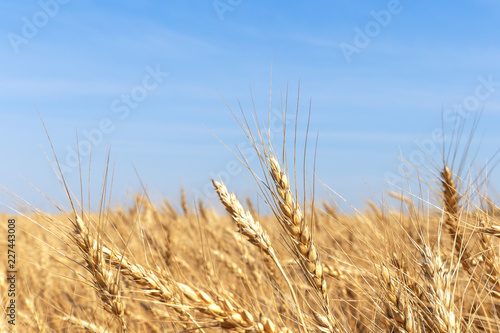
[380, 74]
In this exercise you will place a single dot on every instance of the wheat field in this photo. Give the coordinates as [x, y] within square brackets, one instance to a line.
[284, 263]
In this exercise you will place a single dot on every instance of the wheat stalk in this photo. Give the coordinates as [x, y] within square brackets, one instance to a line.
[229, 317]
[397, 302]
[439, 289]
[295, 225]
[490, 259]
[254, 233]
[451, 203]
[105, 283]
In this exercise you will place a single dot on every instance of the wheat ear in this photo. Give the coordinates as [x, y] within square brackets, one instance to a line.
[295, 225]
[490, 260]
[229, 317]
[105, 283]
[451, 203]
[396, 299]
[439, 289]
[254, 233]
[151, 283]
[184, 205]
